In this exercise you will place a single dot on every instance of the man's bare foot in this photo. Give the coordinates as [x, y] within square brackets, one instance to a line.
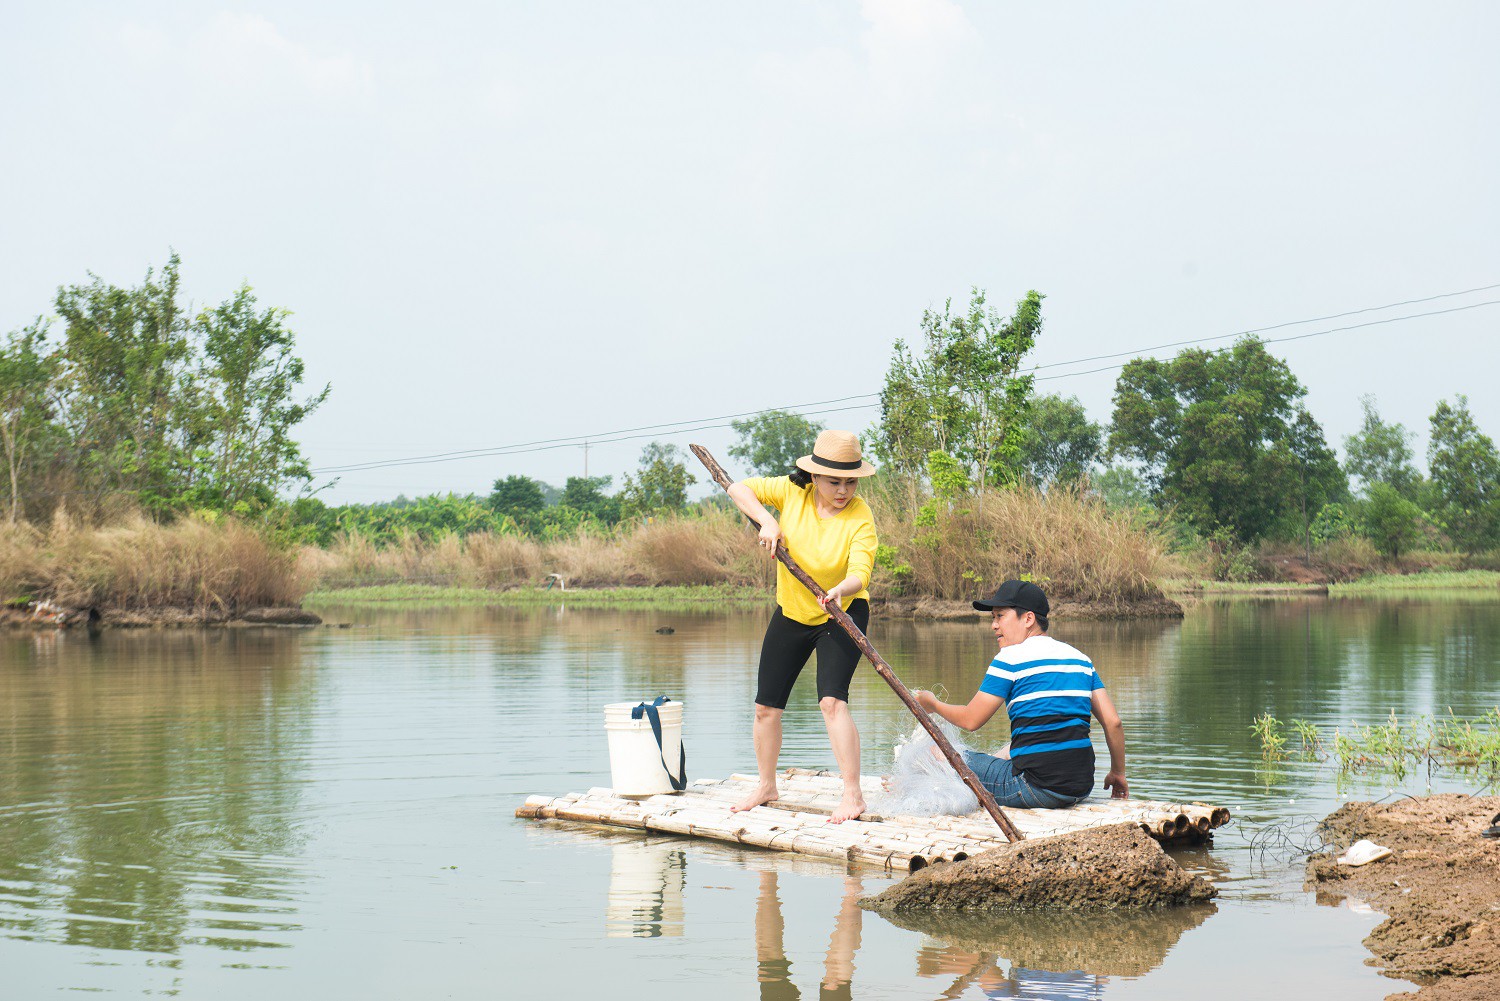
[850, 807]
[763, 794]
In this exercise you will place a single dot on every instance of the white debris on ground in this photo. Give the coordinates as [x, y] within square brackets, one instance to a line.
[1364, 852]
[922, 782]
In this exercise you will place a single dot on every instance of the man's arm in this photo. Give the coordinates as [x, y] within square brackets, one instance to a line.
[976, 714]
[1114, 737]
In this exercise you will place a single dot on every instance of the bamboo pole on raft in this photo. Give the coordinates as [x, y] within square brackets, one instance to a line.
[881, 667]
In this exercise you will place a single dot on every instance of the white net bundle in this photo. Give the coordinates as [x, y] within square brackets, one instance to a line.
[922, 782]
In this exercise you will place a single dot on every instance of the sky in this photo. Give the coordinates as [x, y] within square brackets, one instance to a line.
[501, 223]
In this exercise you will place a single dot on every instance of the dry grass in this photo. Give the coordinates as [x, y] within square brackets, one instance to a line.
[712, 548]
[715, 548]
[1065, 540]
[1343, 560]
[194, 564]
[481, 560]
[590, 559]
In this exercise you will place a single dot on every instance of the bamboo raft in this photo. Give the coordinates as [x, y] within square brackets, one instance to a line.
[798, 820]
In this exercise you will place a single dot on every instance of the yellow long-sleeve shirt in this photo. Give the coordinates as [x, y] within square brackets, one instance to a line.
[829, 549]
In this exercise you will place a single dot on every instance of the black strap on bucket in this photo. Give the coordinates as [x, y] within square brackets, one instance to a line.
[649, 710]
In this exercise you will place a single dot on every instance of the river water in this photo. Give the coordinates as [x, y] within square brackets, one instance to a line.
[328, 813]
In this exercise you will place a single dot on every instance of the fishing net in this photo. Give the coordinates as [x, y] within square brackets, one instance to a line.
[922, 783]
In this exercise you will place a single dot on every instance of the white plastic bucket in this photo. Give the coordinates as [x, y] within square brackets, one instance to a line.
[635, 762]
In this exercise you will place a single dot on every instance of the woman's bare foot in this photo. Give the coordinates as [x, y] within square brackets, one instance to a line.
[763, 794]
[849, 808]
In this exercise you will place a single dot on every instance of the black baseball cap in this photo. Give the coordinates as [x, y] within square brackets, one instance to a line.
[1022, 595]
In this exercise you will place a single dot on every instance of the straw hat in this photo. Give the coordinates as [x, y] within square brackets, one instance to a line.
[836, 453]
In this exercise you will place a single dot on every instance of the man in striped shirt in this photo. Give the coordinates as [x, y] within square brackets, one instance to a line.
[1050, 691]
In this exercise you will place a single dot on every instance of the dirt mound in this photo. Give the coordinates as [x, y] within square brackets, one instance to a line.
[1440, 889]
[1117, 866]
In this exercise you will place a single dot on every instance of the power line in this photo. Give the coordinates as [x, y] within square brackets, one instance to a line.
[570, 441]
[1276, 326]
[712, 423]
[1282, 340]
[702, 424]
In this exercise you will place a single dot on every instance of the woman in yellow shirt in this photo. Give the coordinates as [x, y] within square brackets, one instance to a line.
[830, 532]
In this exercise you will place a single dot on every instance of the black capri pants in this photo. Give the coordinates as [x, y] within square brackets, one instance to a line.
[789, 643]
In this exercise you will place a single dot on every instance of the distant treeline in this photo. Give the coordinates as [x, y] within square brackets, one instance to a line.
[138, 400]
[1217, 447]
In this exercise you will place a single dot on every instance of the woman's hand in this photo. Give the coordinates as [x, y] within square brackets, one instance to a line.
[831, 597]
[770, 534]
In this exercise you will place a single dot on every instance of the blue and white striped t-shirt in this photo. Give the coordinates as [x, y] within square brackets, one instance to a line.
[1048, 688]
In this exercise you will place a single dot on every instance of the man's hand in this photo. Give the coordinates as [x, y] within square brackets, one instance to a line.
[1116, 781]
[926, 700]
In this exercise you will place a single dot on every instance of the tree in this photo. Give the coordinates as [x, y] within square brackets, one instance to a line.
[27, 369]
[660, 484]
[517, 496]
[1381, 453]
[124, 360]
[586, 494]
[178, 411]
[1121, 488]
[963, 395]
[1215, 433]
[240, 427]
[1391, 522]
[1465, 471]
[1059, 443]
[772, 441]
[1317, 480]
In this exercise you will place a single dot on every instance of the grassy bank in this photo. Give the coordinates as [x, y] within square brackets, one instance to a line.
[1081, 552]
[1188, 585]
[1430, 581]
[1069, 543]
[208, 566]
[657, 598]
[705, 549]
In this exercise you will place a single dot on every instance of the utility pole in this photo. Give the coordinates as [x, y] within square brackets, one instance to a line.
[585, 459]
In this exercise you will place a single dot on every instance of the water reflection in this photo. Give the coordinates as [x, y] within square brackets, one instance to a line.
[774, 970]
[1102, 944]
[147, 796]
[645, 890]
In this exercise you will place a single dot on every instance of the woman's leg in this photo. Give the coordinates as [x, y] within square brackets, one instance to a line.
[837, 658]
[844, 736]
[783, 652]
[767, 732]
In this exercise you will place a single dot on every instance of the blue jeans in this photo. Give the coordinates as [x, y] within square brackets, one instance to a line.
[1010, 788]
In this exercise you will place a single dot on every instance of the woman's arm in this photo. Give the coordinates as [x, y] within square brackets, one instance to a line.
[750, 506]
[861, 564]
[852, 584]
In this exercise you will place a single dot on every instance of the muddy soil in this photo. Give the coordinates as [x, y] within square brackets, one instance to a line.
[119, 618]
[1102, 868]
[1441, 890]
[941, 609]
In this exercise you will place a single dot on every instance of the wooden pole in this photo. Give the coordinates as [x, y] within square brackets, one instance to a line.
[881, 667]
